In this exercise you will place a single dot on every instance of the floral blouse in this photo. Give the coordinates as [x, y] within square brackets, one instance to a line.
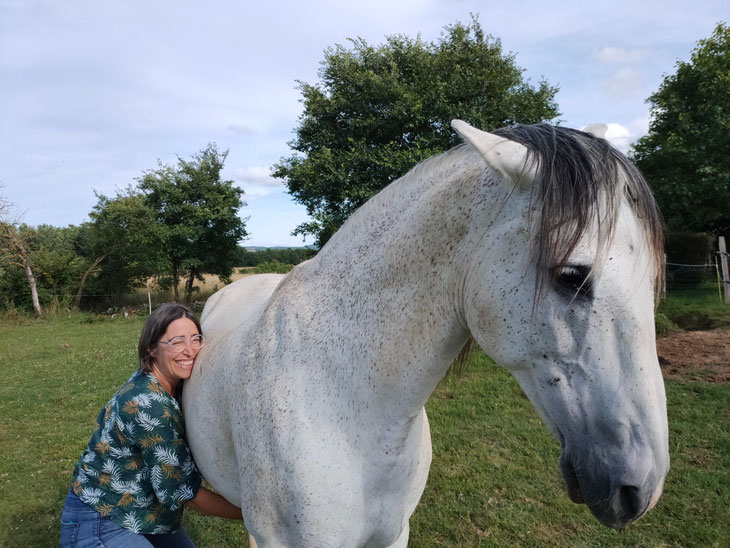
[137, 468]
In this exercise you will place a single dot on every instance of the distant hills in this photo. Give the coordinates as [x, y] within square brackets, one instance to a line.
[264, 248]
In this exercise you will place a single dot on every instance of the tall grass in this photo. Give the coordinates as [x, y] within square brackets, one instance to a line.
[493, 482]
[692, 311]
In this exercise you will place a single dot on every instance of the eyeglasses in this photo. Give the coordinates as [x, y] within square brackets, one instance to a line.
[177, 344]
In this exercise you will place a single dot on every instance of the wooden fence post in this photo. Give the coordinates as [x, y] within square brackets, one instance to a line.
[723, 262]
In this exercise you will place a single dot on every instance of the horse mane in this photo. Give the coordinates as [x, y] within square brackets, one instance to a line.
[580, 180]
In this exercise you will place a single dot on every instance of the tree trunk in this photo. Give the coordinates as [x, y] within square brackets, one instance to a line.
[189, 288]
[86, 275]
[33, 289]
[12, 243]
[175, 283]
[29, 274]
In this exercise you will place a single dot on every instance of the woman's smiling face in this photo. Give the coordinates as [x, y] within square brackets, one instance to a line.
[171, 366]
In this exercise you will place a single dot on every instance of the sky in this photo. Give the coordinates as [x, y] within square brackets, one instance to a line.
[95, 93]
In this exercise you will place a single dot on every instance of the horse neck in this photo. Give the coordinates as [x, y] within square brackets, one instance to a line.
[389, 282]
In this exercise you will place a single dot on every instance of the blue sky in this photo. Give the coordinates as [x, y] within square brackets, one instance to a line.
[94, 93]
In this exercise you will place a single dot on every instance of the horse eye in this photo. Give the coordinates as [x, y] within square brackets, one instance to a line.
[573, 281]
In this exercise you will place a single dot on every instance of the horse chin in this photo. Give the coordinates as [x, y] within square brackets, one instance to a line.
[572, 485]
[613, 515]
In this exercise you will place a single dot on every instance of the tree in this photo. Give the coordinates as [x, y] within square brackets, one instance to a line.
[685, 154]
[377, 111]
[120, 244]
[198, 215]
[13, 250]
[57, 264]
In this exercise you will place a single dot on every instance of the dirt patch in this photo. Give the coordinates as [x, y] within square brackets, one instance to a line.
[696, 355]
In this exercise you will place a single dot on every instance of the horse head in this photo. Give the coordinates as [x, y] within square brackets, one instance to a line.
[569, 307]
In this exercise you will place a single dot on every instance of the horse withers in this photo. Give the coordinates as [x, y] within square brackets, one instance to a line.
[542, 243]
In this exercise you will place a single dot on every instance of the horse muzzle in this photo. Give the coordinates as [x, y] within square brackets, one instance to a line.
[613, 498]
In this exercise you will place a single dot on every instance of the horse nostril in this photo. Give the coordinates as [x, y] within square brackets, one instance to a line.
[631, 501]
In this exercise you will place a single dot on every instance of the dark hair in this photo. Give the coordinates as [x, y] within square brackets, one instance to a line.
[576, 173]
[155, 327]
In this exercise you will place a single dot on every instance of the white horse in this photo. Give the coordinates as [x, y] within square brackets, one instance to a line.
[306, 408]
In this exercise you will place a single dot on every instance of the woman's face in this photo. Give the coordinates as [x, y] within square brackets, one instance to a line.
[172, 365]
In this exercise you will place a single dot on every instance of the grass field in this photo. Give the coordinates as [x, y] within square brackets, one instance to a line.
[693, 310]
[493, 482]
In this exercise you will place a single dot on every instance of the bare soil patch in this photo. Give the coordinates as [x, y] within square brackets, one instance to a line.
[696, 355]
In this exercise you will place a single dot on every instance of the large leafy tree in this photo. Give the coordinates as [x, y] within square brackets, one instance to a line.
[198, 213]
[685, 156]
[120, 244]
[379, 110]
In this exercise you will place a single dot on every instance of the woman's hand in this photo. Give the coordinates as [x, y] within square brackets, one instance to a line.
[211, 504]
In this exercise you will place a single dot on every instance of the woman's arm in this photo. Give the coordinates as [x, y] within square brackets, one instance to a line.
[211, 504]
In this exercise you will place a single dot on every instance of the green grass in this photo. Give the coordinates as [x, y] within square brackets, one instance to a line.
[493, 482]
[494, 478]
[692, 311]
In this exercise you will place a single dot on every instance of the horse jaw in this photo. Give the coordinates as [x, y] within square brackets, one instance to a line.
[507, 157]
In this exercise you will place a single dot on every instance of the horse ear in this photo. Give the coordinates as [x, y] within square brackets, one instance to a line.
[507, 157]
[597, 130]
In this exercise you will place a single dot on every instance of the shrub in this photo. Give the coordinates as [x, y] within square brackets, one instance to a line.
[273, 267]
[664, 326]
[691, 312]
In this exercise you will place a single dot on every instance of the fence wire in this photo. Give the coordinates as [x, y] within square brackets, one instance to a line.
[694, 278]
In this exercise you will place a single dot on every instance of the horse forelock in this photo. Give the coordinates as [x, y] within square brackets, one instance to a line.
[580, 183]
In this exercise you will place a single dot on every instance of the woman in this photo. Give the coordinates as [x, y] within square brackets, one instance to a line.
[136, 475]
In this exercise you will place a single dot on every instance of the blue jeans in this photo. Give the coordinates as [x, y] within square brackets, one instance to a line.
[82, 527]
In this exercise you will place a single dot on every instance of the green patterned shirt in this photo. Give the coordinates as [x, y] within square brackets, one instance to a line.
[137, 468]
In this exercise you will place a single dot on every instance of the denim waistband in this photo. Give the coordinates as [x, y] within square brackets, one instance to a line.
[74, 504]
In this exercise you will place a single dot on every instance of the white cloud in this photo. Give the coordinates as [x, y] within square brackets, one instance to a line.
[95, 92]
[625, 82]
[613, 55]
[619, 136]
[241, 129]
[257, 181]
[639, 126]
[622, 137]
[256, 175]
